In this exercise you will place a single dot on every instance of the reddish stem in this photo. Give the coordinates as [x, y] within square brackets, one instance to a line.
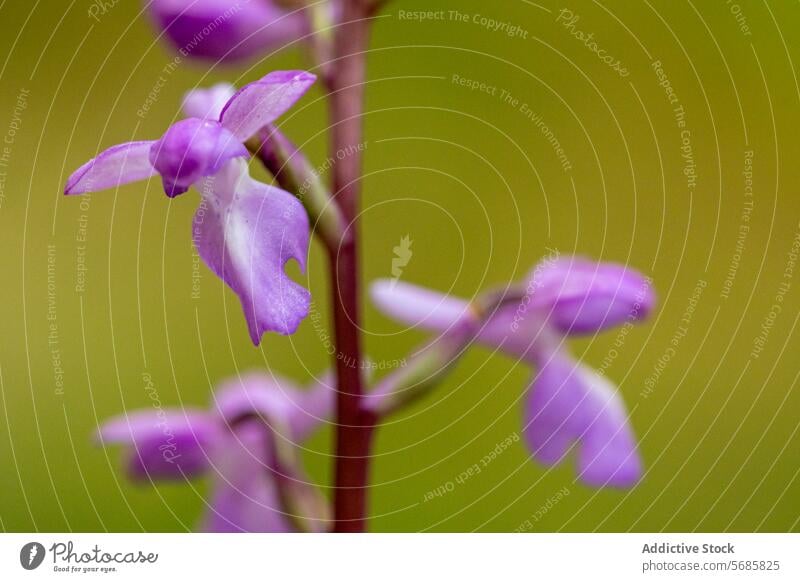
[353, 423]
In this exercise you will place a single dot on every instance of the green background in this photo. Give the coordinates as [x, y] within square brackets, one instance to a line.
[482, 194]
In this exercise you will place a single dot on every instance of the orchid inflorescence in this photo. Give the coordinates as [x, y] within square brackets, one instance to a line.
[249, 440]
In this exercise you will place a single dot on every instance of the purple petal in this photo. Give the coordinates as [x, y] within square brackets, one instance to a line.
[277, 399]
[518, 332]
[568, 404]
[193, 149]
[436, 312]
[164, 444]
[263, 101]
[226, 29]
[121, 164]
[582, 296]
[207, 104]
[245, 495]
[609, 453]
[246, 232]
[418, 306]
[256, 392]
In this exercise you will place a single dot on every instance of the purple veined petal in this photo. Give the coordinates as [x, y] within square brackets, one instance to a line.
[279, 400]
[118, 165]
[246, 232]
[163, 444]
[207, 104]
[583, 296]
[245, 493]
[227, 30]
[260, 103]
[569, 404]
[191, 150]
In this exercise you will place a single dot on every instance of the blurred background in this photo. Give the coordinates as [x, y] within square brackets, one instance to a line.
[489, 147]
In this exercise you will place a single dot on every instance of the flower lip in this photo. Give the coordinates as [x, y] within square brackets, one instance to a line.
[569, 404]
[192, 149]
[246, 237]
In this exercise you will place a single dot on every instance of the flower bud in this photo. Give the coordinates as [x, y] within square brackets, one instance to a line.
[582, 296]
[226, 30]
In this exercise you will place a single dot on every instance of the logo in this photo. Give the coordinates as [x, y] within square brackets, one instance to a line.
[402, 255]
[31, 555]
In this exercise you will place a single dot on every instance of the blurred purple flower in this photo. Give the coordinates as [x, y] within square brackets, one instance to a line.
[244, 230]
[250, 478]
[227, 30]
[567, 403]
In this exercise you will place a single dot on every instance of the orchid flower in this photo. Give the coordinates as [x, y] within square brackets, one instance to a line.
[257, 486]
[244, 230]
[567, 403]
[230, 30]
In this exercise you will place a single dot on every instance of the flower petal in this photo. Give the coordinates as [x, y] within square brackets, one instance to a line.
[583, 296]
[118, 165]
[278, 399]
[207, 104]
[245, 493]
[609, 454]
[226, 30]
[265, 393]
[418, 306]
[553, 410]
[434, 311]
[165, 444]
[246, 232]
[568, 404]
[262, 102]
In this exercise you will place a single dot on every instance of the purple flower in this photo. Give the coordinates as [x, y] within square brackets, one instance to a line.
[567, 403]
[244, 230]
[227, 30]
[254, 486]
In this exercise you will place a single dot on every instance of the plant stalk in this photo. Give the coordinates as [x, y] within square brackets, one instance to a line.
[354, 423]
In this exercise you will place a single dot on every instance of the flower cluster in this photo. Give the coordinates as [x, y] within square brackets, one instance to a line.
[247, 441]
[566, 403]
